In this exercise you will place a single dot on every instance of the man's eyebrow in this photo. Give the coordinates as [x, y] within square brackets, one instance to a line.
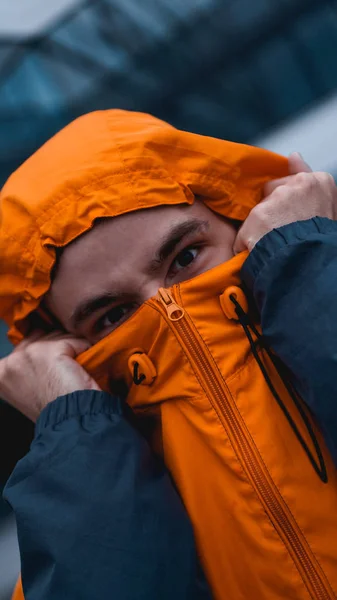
[88, 307]
[174, 237]
[167, 247]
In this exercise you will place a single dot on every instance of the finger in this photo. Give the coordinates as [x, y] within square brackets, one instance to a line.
[297, 164]
[270, 186]
[76, 346]
[36, 335]
[239, 242]
[58, 335]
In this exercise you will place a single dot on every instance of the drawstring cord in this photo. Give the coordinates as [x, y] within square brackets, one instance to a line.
[137, 379]
[245, 322]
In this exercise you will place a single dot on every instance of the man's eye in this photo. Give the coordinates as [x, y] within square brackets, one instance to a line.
[114, 316]
[184, 259]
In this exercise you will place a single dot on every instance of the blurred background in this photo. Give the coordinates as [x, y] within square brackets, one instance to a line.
[262, 72]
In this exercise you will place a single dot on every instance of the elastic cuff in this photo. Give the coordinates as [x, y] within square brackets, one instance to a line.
[78, 404]
[274, 241]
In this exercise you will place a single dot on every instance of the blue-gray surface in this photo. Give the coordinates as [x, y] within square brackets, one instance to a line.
[229, 68]
[9, 557]
[5, 346]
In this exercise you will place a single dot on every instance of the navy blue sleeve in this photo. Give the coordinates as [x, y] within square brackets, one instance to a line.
[97, 514]
[292, 274]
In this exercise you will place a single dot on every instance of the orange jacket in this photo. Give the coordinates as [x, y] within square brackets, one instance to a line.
[265, 524]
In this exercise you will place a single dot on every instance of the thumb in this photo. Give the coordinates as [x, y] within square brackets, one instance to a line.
[240, 243]
[297, 164]
[72, 347]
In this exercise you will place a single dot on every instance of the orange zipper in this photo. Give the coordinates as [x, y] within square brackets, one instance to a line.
[198, 353]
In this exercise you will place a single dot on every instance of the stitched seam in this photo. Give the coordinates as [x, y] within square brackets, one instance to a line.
[280, 496]
[197, 376]
[144, 408]
[74, 190]
[280, 251]
[128, 173]
[184, 149]
[259, 454]
[79, 414]
[11, 238]
[237, 371]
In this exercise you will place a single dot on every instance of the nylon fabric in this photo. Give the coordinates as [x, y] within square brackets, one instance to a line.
[105, 164]
[265, 524]
[219, 447]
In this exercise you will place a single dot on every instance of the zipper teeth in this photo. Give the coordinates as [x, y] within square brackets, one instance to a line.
[255, 470]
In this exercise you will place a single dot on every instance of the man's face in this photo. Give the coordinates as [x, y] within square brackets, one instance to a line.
[107, 273]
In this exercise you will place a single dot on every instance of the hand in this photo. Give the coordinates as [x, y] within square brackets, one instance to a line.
[297, 197]
[41, 368]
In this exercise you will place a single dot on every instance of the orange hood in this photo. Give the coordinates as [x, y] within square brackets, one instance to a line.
[105, 164]
[264, 523]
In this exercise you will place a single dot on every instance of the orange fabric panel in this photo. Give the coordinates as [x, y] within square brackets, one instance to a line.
[265, 524]
[104, 164]
[18, 592]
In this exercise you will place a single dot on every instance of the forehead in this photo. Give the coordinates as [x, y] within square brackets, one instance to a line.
[126, 239]
[116, 252]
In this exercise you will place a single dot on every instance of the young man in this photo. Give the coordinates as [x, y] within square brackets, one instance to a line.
[142, 220]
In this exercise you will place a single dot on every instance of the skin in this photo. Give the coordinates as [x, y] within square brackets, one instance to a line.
[118, 260]
[42, 366]
[113, 260]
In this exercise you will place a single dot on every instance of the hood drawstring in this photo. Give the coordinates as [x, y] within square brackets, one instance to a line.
[137, 379]
[249, 327]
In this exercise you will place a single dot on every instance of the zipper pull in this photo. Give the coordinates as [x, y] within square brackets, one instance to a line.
[174, 311]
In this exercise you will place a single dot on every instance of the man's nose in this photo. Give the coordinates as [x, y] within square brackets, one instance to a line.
[151, 288]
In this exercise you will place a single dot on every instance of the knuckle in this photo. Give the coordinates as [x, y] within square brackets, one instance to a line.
[328, 179]
[10, 367]
[4, 368]
[305, 185]
[324, 178]
[278, 195]
[261, 213]
[303, 179]
[256, 211]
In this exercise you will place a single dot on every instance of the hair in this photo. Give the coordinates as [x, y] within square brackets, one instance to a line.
[58, 255]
